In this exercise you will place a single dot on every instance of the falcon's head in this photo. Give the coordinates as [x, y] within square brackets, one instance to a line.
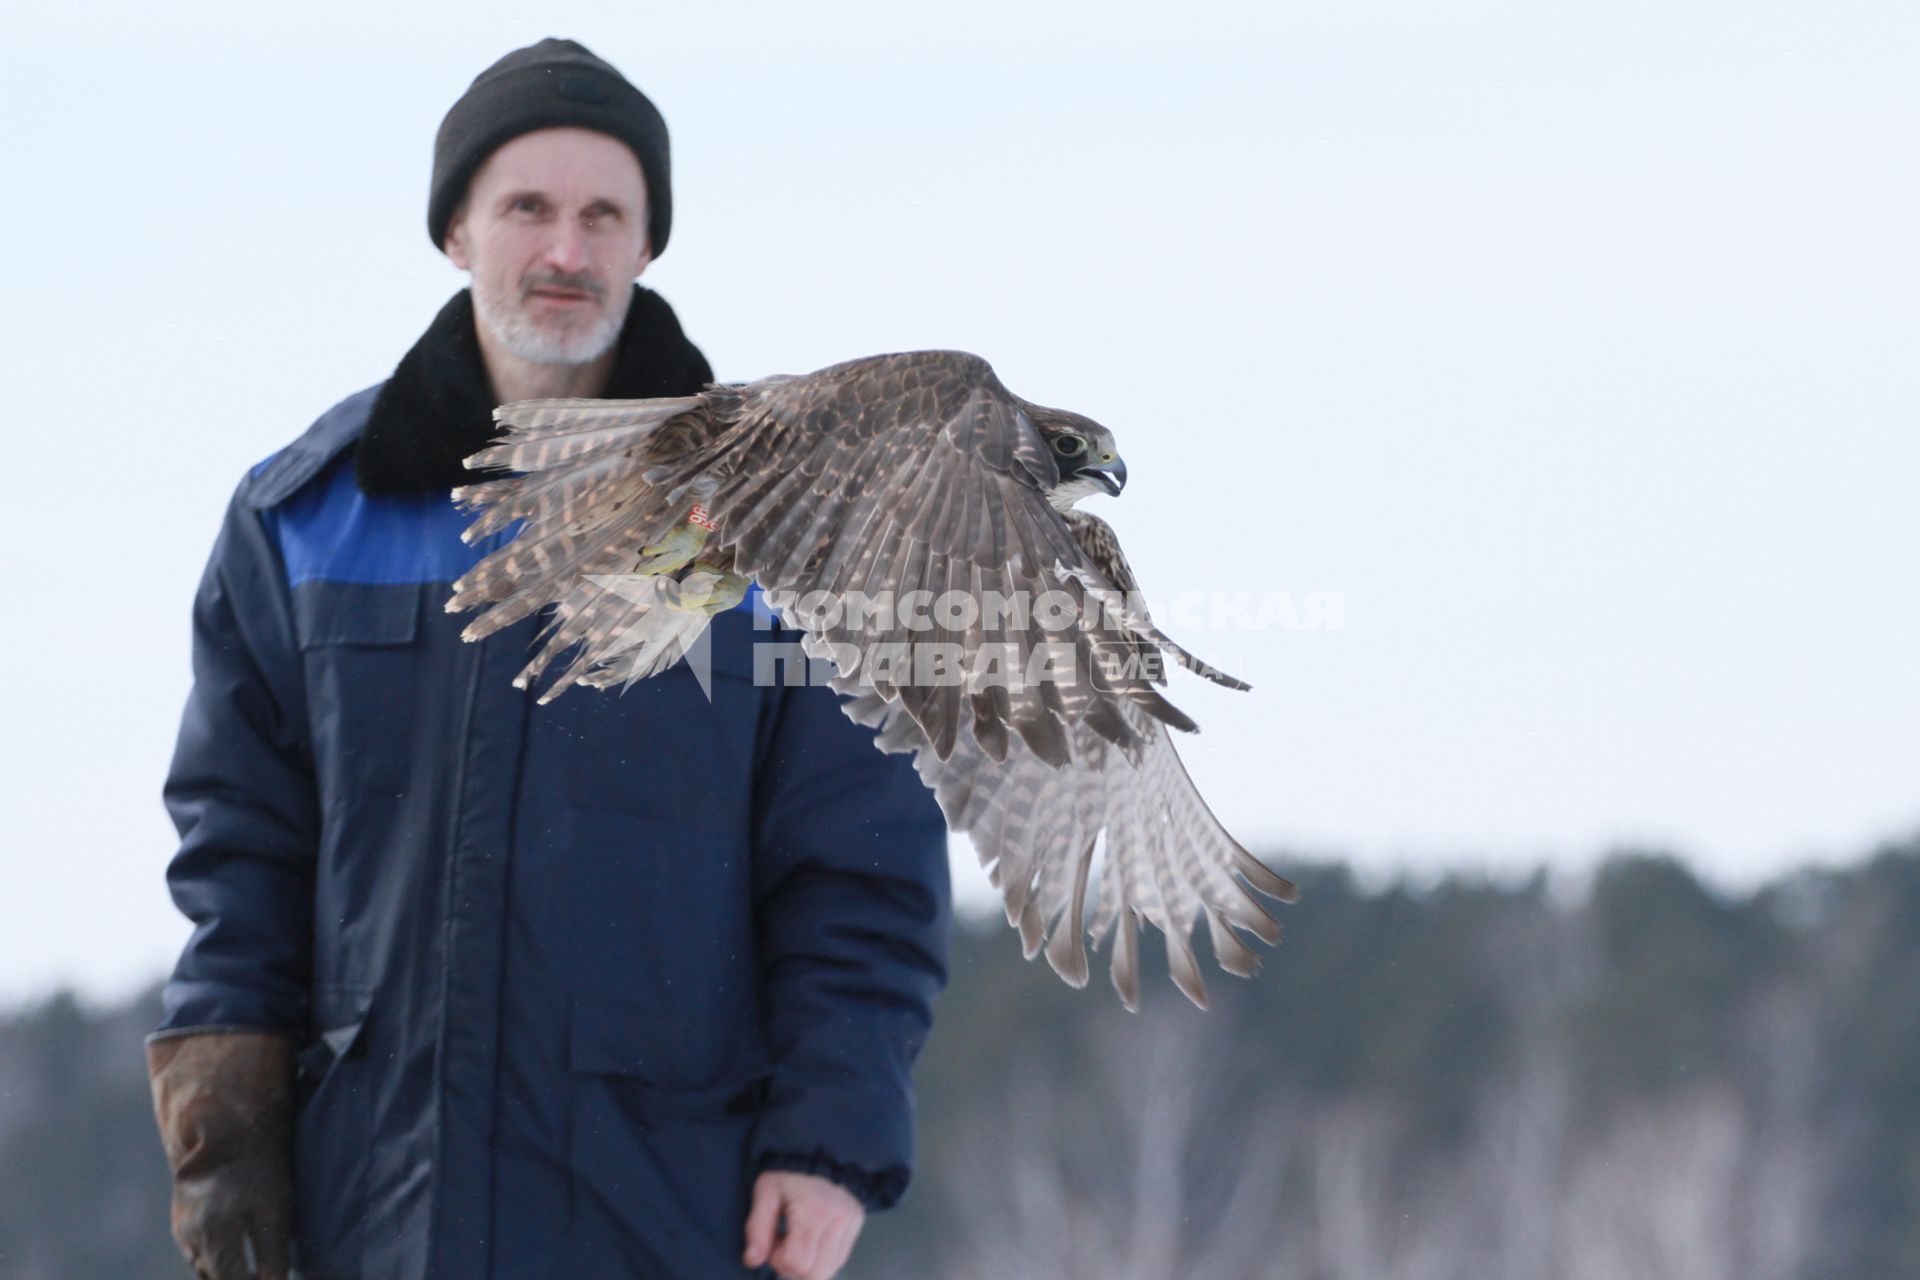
[1084, 451]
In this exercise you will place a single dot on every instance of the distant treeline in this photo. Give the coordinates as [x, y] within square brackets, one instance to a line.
[1465, 1079]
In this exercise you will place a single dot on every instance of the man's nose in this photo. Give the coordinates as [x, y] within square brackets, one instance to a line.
[567, 250]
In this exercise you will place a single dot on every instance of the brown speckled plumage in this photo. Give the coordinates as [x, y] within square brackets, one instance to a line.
[897, 473]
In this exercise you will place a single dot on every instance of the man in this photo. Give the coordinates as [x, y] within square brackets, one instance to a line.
[626, 985]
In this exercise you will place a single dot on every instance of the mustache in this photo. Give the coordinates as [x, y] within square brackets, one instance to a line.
[584, 281]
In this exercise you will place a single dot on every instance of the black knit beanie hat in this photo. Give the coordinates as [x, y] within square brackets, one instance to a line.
[546, 86]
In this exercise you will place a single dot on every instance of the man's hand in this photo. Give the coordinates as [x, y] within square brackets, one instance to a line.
[822, 1221]
[224, 1101]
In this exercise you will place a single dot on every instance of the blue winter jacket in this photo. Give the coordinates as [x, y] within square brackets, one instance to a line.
[564, 978]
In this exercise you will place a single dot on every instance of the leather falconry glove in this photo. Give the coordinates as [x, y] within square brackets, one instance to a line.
[224, 1101]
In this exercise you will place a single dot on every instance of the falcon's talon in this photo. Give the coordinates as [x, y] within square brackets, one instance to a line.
[707, 592]
[674, 552]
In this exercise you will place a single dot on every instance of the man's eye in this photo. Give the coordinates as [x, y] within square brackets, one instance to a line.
[526, 204]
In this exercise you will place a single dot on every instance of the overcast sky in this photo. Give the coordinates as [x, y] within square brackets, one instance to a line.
[1574, 343]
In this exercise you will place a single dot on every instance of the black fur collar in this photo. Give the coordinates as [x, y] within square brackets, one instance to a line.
[438, 406]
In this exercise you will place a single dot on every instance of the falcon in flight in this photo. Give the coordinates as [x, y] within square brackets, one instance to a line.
[1039, 724]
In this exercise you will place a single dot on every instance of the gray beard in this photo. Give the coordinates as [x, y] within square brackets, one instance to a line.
[525, 340]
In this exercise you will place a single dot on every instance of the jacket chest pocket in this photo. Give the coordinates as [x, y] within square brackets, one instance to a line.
[360, 646]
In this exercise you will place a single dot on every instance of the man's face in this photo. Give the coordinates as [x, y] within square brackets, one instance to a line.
[553, 230]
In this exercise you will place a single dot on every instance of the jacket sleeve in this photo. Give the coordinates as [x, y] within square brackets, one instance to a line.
[853, 912]
[241, 793]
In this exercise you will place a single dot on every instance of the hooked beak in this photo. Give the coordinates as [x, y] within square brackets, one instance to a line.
[1111, 476]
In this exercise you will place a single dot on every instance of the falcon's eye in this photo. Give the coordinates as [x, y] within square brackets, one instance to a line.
[1069, 446]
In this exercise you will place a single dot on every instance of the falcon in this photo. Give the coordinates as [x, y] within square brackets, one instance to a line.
[1039, 723]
